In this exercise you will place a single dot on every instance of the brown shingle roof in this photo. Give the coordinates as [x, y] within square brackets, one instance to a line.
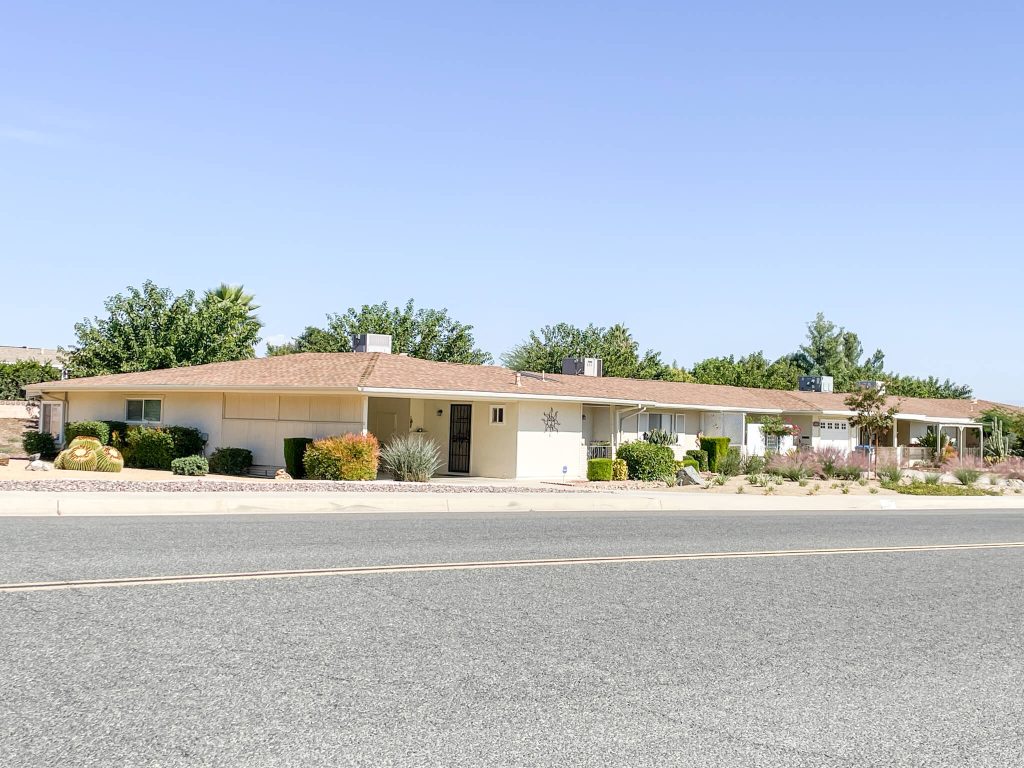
[374, 371]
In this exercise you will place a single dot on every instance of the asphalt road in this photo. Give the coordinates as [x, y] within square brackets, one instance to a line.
[894, 659]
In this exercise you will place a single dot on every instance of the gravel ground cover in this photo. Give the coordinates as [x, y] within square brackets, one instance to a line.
[75, 485]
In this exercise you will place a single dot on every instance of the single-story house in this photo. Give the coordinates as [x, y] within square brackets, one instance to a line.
[489, 421]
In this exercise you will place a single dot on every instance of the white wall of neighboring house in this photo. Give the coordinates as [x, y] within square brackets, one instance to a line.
[541, 453]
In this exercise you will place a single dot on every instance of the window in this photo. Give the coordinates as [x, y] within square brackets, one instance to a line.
[653, 421]
[142, 410]
[497, 414]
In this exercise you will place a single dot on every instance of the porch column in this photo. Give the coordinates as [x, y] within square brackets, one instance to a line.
[960, 442]
[366, 415]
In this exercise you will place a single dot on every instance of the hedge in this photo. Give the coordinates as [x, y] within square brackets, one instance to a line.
[716, 447]
[192, 466]
[118, 434]
[230, 461]
[188, 441]
[701, 457]
[294, 448]
[348, 457]
[98, 429]
[149, 448]
[645, 461]
[687, 462]
[619, 470]
[599, 469]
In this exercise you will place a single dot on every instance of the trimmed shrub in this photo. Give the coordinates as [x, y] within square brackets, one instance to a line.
[192, 466]
[97, 429]
[348, 457]
[688, 462]
[411, 458]
[188, 441]
[118, 434]
[645, 461]
[108, 459]
[149, 448]
[701, 457]
[599, 470]
[39, 442]
[731, 464]
[294, 448]
[230, 461]
[717, 448]
[619, 470]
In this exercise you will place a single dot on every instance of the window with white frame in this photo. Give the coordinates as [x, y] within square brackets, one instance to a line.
[497, 414]
[654, 421]
[142, 411]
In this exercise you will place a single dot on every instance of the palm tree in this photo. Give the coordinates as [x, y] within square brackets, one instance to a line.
[233, 294]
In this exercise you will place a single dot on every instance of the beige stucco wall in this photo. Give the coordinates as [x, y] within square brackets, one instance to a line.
[542, 454]
[493, 446]
[259, 422]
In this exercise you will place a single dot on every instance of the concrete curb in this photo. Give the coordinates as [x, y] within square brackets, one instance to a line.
[34, 504]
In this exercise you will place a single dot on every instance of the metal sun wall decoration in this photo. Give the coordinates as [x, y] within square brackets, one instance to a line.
[551, 422]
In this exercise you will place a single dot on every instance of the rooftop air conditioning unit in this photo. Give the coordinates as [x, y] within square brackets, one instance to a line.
[371, 342]
[871, 384]
[587, 366]
[817, 384]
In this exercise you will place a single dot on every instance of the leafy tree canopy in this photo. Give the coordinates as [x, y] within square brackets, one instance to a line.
[429, 334]
[620, 353]
[912, 386]
[833, 351]
[753, 370]
[149, 328]
[14, 377]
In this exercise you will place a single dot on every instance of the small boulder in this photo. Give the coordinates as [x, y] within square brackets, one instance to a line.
[282, 475]
[689, 476]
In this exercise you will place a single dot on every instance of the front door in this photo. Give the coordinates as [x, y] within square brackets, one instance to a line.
[458, 438]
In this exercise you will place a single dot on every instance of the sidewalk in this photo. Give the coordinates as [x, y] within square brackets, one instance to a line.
[16, 504]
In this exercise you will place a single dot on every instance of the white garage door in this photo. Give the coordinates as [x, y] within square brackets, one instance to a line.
[834, 434]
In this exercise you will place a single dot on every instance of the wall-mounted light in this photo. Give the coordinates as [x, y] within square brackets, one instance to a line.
[440, 412]
[584, 417]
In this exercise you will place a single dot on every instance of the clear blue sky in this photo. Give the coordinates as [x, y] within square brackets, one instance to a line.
[710, 174]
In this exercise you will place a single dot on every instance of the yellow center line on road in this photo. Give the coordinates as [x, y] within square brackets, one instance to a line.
[370, 570]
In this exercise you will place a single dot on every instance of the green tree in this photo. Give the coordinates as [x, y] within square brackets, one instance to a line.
[872, 413]
[233, 295]
[753, 370]
[618, 350]
[912, 386]
[833, 351]
[150, 328]
[429, 334]
[14, 377]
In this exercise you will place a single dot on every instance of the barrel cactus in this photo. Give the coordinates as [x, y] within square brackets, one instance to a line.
[58, 463]
[109, 459]
[87, 442]
[81, 458]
